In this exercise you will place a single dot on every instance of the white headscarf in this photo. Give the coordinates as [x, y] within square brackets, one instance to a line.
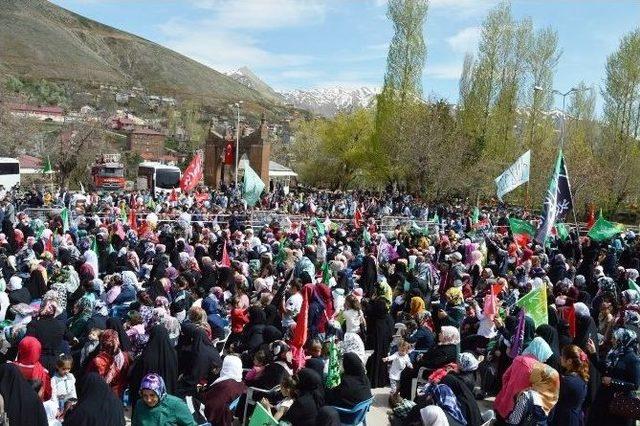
[231, 369]
[15, 283]
[432, 415]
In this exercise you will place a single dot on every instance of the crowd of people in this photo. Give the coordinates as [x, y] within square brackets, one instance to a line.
[158, 309]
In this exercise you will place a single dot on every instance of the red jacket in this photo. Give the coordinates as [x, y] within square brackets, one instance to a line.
[105, 366]
[239, 317]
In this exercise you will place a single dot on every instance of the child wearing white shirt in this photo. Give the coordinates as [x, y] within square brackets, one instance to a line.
[63, 383]
[399, 361]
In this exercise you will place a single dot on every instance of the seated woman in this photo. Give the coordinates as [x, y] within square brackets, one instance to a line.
[224, 391]
[354, 386]
[446, 352]
[307, 400]
[157, 407]
[97, 405]
[21, 403]
[534, 404]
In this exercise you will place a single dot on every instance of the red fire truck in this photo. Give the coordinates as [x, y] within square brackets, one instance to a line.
[107, 173]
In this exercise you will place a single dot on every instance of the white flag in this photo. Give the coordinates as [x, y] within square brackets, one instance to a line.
[514, 176]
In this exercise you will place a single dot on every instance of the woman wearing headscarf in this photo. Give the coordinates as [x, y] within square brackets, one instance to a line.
[28, 362]
[354, 385]
[97, 405]
[78, 323]
[111, 363]
[454, 311]
[50, 332]
[467, 367]
[217, 324]
[514, 381]
[541, 351]
[443, 397]
[620, 374]
[115, 324]
[158, 356]
[16, 292]
[197, 358]
[157, 407]
[550, 335]
[252, 336]
[535, 404]
[444, 353]
[380, 328]
[307, 399]
[416, 307]
[224, 390]
[432, 415]
[37, 281]
[278, 367]
[21, 402]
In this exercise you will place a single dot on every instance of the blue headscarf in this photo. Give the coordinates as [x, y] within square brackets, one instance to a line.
[444, 398]
[539, 348]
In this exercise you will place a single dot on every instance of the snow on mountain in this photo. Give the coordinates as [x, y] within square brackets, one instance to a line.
[330, 100]
[246, 77]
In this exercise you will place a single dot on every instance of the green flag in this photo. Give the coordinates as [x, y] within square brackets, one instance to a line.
[320, 227]
[281, 255]
[47, 166]
[563, 231]
[262, 417]
[534, 304]
[633, 286]
[333, 375]
[475, 216]
[309, 235]
[326, 273]
[366, 236]
[519, 226]
[604, 230]
[64, 215]
[253, 185]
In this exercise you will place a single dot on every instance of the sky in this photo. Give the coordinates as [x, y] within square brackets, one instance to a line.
[302, 44]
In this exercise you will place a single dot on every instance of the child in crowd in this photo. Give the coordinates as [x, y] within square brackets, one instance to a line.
[63, 382]
[239, 318]
[259, 361]
[354, 318]
[399, 361]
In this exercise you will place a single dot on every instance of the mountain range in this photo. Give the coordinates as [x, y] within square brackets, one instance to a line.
[327, 101]
[40, 40]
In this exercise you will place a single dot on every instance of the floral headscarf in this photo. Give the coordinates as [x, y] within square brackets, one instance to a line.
[155, 383]
[625, 340]
[110, 344]
[467, 362]
[449, 335]
[454, 295]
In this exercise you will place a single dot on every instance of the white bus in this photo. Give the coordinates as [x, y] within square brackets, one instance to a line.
[158, 177]
[9, 172]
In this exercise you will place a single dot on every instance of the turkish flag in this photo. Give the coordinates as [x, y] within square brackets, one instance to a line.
[193, 174]
[228, 154]
[591, 218]
[133, 223]
[357, 219]
[226, 262]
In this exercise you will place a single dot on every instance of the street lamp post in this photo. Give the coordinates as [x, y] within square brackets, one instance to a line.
[564, 99]
[237, 105]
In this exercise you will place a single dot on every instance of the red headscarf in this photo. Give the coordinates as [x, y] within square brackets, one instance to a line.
[28, 362]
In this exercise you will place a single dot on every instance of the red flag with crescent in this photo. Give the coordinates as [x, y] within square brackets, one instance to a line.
[193, 174]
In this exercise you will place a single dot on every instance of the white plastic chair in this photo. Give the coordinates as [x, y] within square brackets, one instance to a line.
[250, 401]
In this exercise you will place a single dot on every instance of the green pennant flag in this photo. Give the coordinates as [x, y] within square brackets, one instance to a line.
[534, 304]
[253, 185]
[64, 215]
[326, 273]
[604, 230]
[563, 231]
[633, 286]
[281, 255]
[333, 374]
[262, 417]
[320, 227]
[475, 216]
[366, 236]
[333, 226]
[309, 235]
[47, 166]
[151, 205]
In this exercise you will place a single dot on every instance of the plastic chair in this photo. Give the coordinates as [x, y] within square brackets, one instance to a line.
[234, 404]
[221, 343]
[420, 379]
[356, 415]
[488, 417]
[250, 401]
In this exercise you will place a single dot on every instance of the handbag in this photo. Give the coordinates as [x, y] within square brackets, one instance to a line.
[625, 405]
